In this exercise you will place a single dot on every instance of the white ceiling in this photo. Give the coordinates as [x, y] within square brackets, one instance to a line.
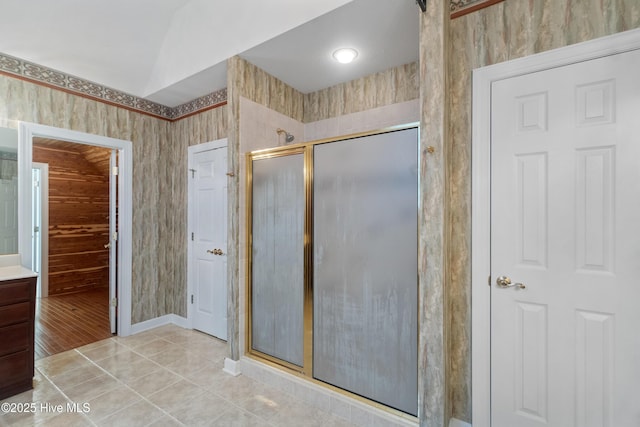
[173, 51]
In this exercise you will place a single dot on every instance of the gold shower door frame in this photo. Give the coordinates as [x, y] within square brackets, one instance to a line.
[307, 151]
[305, 371]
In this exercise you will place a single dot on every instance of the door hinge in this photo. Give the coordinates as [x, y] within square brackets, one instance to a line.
[36, 229]
[115, 236]
[114, 171]
[489, 280]
[193, 173]
[114, 302]
[192, 236]
[191, 298]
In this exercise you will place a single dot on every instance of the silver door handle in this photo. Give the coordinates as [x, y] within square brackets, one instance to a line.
[505, 282]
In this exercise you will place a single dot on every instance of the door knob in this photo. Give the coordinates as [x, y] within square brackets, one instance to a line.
[107, 246]
[209, 251]
[219, 252]
[505, 282]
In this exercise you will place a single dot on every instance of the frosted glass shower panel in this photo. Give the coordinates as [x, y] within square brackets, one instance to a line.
[365, 267]
[278, 203]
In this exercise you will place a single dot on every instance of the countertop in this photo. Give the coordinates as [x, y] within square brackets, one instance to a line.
[10, 268]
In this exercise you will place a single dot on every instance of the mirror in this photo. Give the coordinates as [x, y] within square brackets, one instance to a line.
[8, 191]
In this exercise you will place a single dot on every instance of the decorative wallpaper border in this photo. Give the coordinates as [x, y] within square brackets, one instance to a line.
[55, 79]
[462, 7]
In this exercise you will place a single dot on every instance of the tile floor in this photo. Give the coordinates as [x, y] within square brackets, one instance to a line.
[167, 376]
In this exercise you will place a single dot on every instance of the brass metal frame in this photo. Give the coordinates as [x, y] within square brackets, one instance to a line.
[305, 371]
[251, 157]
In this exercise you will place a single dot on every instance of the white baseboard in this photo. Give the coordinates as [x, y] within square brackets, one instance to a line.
[168, 319]
[231, 367]
[454, 422]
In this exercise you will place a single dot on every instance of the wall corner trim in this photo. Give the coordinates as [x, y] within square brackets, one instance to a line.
[231, 367]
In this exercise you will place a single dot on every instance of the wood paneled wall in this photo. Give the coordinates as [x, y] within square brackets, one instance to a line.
[78, 216]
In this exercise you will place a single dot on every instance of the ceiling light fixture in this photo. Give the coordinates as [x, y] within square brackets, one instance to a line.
[345, 55]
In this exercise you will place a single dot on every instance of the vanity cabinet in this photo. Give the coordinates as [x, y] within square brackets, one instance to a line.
[17, 311]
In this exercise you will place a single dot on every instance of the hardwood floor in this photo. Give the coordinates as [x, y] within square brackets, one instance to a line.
[64, 322]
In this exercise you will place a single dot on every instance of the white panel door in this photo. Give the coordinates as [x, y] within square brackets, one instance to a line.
[565, 210]
[209, 241]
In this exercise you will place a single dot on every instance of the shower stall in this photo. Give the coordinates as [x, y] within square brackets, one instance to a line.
[332, 279]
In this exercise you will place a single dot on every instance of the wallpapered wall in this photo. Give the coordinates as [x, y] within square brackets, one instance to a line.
[507, 30]
[159, 182]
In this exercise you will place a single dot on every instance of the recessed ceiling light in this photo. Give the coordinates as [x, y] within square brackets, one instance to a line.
[345, 55]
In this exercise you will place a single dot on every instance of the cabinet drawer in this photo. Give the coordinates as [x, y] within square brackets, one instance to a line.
[14, 367]
[14, 338]
[14, 291]
[15, 313]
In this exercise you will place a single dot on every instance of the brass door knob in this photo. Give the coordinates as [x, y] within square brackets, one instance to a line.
[505, 282]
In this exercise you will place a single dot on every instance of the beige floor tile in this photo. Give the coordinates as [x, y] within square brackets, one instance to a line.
[173, 334]
[201, 410]
[170, 356]
[102, 349]
[112, 401]
[92, 388]
[152, 383]
[237, 388]
[71, 378]
[39, 410]
[126, 357]
[334, 421]
[189, 363]
[153, 347]
[137, 339]
[299, 413]
[138, 414]
[165, 377]
[67, 419]
[58, 363]
[206, 375]
[166, 399]
[236, 417]
[267, 403]
[127, 373]
[128, 365]
[166, 421]
[209, 352]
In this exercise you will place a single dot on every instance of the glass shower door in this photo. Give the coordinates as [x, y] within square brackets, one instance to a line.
[365, 265]
[277, 262]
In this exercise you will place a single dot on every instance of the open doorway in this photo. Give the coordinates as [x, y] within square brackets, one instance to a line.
[71, 212]
[120, 173]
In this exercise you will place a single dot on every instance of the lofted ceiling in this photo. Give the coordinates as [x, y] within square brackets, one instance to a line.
[173, 51]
